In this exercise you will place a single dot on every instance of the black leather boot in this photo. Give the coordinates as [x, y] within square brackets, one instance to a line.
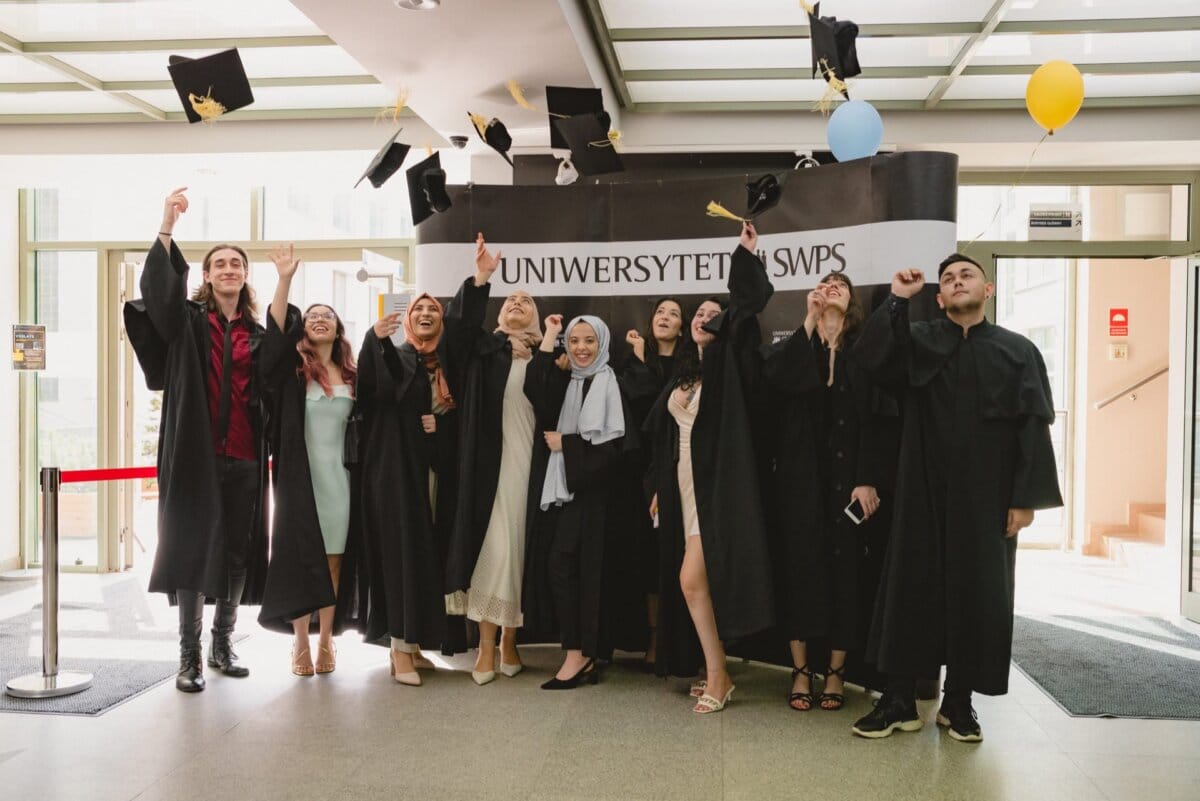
[220, 654]
[190, 678]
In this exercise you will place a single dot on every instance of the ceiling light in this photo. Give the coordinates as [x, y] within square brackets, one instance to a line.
[418, 5]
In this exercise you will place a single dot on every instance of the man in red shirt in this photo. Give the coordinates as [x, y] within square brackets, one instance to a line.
[200, 352]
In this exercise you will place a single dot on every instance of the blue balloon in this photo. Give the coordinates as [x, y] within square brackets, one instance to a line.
[855, 131]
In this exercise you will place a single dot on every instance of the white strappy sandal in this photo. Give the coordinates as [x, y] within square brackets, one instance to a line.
[707, 704]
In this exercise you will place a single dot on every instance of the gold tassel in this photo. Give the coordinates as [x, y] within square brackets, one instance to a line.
[808, 8]
[205, 106]
[715, 209]
[518, 94]
[394, 110]
[834, 88]
[428, 150]
[611, 141]
[479, 122]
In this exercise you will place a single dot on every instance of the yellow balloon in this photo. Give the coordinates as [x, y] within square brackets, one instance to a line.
[1054, 94]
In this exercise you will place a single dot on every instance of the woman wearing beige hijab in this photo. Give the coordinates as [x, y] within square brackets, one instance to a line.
[486, 558]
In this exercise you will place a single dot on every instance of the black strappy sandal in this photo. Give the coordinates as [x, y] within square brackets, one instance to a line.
[807, 697]
[838, 699]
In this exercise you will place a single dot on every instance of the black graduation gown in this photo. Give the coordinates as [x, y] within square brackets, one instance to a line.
[592, 515]
[830, 439]
[726, 469]
[642, 383]
[170, 337]
[298, 581]
[402, 555]
[975, 443]
[486, 359]
[637, 540]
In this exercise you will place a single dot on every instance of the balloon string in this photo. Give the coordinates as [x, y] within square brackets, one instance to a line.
[1012, 188]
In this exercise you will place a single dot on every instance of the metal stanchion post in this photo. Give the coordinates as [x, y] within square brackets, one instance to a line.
[50, 682]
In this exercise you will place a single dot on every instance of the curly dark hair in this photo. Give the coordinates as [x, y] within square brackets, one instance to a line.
[687, 363]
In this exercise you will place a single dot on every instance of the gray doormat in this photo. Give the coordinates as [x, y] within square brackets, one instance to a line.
[117, 639]
[1124, 667]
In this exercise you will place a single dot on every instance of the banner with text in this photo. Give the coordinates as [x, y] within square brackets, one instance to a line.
[612, 249]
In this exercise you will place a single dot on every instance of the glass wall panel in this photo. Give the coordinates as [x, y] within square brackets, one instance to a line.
[1110, 213]
[322, 212]
[68, 403]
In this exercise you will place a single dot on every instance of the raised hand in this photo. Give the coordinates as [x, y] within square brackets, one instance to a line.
[749, 237]
[637, 343]
[907, 283]
[387, 325]
[485, 262]
[176, 204]
[554, 324]
[817, 301]
[285, 260]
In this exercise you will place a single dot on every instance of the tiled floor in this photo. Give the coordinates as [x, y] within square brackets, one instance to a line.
[355, 734]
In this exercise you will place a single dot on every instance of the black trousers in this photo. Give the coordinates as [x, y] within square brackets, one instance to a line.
[239, 509]
[905, 687]
[575, 565]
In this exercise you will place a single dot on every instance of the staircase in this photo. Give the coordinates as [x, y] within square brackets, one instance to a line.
[1138, 543]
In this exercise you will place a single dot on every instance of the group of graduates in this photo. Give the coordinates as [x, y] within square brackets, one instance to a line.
[853, 491]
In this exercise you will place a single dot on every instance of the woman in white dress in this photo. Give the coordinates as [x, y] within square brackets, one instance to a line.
[486, 559]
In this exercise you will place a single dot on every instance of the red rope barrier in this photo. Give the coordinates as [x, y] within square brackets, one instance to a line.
[111, 474]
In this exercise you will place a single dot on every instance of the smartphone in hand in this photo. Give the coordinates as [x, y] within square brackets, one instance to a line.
[855, 512]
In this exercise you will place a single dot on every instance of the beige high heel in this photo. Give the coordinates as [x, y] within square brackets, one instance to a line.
[482, 677]
[411, 679]
[304, 668]
[707, 704]
[421, 662]
[329, 665]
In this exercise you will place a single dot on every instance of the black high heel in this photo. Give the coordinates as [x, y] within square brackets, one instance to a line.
[587, 673]
[838, 699]
[805, 698]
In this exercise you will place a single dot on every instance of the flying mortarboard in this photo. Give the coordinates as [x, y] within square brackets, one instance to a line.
[211, 86]
[427, 189]
[568, 101]
[834, 54]
[593, 146]
[762, 194]
[389, 159]
[493, 133]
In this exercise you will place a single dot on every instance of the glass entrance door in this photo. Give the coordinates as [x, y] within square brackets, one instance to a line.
[1191, 534]
[1035, 297]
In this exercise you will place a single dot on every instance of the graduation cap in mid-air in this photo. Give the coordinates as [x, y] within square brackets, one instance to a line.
[427, 189]
[211, 86]
[389, 159]
[762, 194]
[593, 148]
[494, 134]
[834, 54]
[563, 102]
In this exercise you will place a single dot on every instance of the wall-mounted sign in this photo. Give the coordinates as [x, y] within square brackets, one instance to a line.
[1118, 322]
[29, 347]
[1055, 221]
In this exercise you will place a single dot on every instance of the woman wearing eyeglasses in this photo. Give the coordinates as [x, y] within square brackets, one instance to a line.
[308, 372]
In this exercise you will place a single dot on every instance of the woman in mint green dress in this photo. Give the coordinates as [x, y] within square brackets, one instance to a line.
[308, 375]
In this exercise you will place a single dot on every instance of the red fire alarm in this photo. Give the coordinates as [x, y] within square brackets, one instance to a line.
[1118, 322]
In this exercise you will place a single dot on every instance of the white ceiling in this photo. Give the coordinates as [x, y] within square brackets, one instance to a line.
[314, 62]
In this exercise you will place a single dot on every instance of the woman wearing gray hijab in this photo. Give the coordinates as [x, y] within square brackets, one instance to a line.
[582, 415]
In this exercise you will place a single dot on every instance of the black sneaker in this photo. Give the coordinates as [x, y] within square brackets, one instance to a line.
[958, 716]
[888, 715]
